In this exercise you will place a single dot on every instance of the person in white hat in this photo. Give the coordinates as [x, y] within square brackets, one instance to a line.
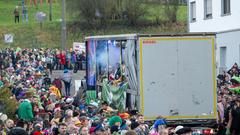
[177, 128]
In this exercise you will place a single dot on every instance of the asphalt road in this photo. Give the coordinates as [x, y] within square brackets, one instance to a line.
[76, 76]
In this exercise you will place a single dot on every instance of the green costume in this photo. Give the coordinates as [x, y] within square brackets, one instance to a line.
[25, 111]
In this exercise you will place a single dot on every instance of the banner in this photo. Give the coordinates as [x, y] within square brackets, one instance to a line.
[8, 38]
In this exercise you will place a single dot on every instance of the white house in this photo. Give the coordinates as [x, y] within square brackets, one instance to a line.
[222, 17]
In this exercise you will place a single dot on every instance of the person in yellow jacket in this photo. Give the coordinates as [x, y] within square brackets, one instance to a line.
[55, 90]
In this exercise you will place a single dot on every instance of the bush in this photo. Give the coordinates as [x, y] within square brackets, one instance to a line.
[8, 104]
[134, 11]
[171, 9]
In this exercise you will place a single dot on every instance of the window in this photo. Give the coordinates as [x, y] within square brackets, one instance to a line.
[208, 9]
[193, 11]
[223, 52]
[226, 7]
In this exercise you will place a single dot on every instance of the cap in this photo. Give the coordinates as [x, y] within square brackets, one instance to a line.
[77, 123]
[69, 100]
[83, 118]
[177, 128]
[184, 130]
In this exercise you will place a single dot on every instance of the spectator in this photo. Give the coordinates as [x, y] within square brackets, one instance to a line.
[184, 131]
[25, 14]
[131, 132]
[67, 78]
[16, 14]
[84, 121]
[235, 118]
[62, 128]
[84, 131]
[9, 124]
[18, 131]
[25, 111]
[58, 83]
[2, 132]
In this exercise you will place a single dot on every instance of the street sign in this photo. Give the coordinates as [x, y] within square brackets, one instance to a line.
[8, 38]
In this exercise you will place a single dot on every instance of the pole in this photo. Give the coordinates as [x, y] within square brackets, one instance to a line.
[108, 63]
[63, 26]
[50, 10]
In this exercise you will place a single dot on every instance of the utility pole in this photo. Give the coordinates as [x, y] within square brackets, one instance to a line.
[63, 26]
[50, 10]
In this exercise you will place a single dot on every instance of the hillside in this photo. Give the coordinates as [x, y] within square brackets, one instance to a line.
[32, 35]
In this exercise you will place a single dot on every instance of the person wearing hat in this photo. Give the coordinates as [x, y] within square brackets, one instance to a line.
[115, 122]
[17, 131]
[58, 83]
[177, 128]
[84, 121]
[67, 78]
[25, 110]
[184, 131]
[57, 116]
[99, 130]
[158, 125]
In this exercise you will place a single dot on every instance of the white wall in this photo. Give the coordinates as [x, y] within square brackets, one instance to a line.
[218, 22]
[231, 40]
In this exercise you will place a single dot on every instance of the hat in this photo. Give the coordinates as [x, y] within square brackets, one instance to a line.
[83, 118]
[177, 128]
[184, 130]
[114, 129]
[159, 122]
[58, 109]
[95, 118]
[134, 125]
[3, 117]
[114, 120]
[77, 123]
[18, 131]
[65, 71]
[69, 100]
[124, 115]
[95, 104]
[134, 112]
[99, 128]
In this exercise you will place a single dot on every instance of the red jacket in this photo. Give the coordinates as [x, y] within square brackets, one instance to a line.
[62, 59]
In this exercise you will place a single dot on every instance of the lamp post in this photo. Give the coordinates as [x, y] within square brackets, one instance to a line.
[63, 34]
[50, 10]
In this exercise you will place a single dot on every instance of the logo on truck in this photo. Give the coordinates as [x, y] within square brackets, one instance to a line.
[149, 41]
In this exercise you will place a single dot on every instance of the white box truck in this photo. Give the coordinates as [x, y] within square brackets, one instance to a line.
[173, 75]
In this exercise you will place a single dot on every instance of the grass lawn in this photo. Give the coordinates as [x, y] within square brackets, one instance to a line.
[32, 35]
[7, 7]
[155, 10]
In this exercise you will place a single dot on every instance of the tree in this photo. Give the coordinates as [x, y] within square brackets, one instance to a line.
[8, 103]
[94, 12]
[134, 11]
[171, 9]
